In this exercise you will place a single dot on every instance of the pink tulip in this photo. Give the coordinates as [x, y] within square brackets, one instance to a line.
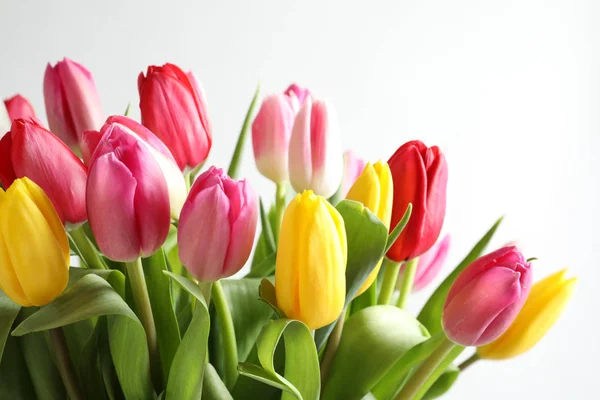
[316, 162]
[173, 107]
[31, 150]
[72, 101]
[117, 126]
[217, 226]
[430, 263]
[486, 297]
[300, 93]
[18, 107]
[127, 198]
[353, 167]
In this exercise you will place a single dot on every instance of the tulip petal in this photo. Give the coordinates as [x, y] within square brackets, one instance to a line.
[18, 107]
[286, 272]
[7, 173]
[300, 158]
[326, 150]
[57, 109]
[431, 262]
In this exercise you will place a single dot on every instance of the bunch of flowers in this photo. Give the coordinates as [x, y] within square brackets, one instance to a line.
[115, 242]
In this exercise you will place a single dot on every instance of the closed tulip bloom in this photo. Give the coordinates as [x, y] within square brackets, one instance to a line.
[72, 101]
[486, 297]
[545, 304]
[420, 174]
[217, 226]
[34, 249]
[353, 167]
[300, 93]
[127, 198]
[316, 162]
[31, 150]
[375, 190]
[117, 126]
[310, 280]
[18, 107]
[173, 107]
[430, 263]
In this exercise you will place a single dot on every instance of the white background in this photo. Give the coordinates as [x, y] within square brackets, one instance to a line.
[509, 89]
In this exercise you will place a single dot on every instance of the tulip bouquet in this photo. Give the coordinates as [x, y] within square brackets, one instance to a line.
[115, 242]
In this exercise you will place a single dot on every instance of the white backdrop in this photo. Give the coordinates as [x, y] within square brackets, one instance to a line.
[508, 88]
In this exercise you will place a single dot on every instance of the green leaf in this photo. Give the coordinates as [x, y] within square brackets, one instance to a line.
[443, 384]
[213, 386]
[367, 237]
[431, 314]
[266, 292]
[261, 252]
[265, 268]
[301, 378]
[267, 231]
[397, 231]
[373, 340]
[239, 147]
[90, 371]
[439, 371]
[159, 290]
[8, 313]
[15, 383]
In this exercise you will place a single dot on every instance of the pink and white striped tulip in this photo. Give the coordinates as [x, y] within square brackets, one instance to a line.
[72, 101]
[19, 107]
[127, 198]
[217, 226]
[486, 297]
[117, 126]
[315, 159]
[353, 167]
[430, 263]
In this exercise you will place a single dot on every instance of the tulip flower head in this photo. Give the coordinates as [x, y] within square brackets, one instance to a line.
[173, 107]
[545, 304]
[127, 198]
[353, 167]
[72, 101]
[217, 226]
[18, 107]
[420, 174]
[310, 280]
[375, 190]
[300, 93]
[486, 297]
[315, 159]
[31, 150]
[430, 263]
[34, 249]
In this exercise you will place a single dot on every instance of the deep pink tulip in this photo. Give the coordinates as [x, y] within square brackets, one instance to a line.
[127, 198]
[173, 107]
[31, 150]
[72, 101]
[217, 226]
[353, 167]
[430, 263]
[486, 297]
[18, 107]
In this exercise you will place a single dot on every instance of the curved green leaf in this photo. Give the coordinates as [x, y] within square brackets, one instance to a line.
[431, 314]
[439, 371]
[234, 165]
[267, 231]
[443, 384]
[15, 383]
[8, 313]
[374, 339]
[213, 386]
[90, 371]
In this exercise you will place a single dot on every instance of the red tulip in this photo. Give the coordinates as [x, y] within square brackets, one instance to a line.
[173, 108]
[18, 107]
[420, 174]
[31, 150]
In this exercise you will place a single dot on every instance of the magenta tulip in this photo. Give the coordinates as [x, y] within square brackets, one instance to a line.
[486, 297]
[353, 167]
[217, 226]
[18, 107]
[430, 263]
[72, 101]
[127, 198]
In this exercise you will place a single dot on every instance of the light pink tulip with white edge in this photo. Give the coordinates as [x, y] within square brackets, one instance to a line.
[430, 263]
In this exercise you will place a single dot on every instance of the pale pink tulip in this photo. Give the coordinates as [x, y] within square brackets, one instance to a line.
[430, 263]
[353, 167]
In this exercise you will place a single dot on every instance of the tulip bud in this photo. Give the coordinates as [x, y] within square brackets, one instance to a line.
[18, 107]
[430, 263]
[316, 161]
[72, 101]
[543, 307]
[34, 249]
[353, 167]
[374, 188]
[127, 198]
[486, 297]
[310, 280]
[174, 109]
[420, 174]
[300, 93]
[217, 227]
[117, 126]
[31, 150]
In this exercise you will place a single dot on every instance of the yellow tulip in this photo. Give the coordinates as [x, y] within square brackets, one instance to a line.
[544, 305]
[310, 274]
[375, 189]
[34, 249]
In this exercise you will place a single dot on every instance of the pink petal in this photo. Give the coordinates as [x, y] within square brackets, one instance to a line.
[57, 109]
[300, 156]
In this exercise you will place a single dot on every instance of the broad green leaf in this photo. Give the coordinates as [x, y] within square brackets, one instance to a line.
[213, 387]
[265, 268]
[443, 384]
[301, 377]
[8, 313]
[374, 339]
[77, 335]
[90, 371]
[247, 388]
[109, 375]
[439, 371]
[367, 237]
[15, 383]
[367, 299]
[431, 314]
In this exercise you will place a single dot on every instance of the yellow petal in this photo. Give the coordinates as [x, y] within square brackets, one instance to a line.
[386, 198]
[366, 189]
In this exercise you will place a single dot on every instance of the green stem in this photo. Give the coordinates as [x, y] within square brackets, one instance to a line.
[234, 165]
[137, 281]
[390, 275]
[279, 208]
[88, 252]
[332, 345]
[414, 383]
[229, 343]
[469, 361]
[407, 282]
[64, 364]
[187, 177]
